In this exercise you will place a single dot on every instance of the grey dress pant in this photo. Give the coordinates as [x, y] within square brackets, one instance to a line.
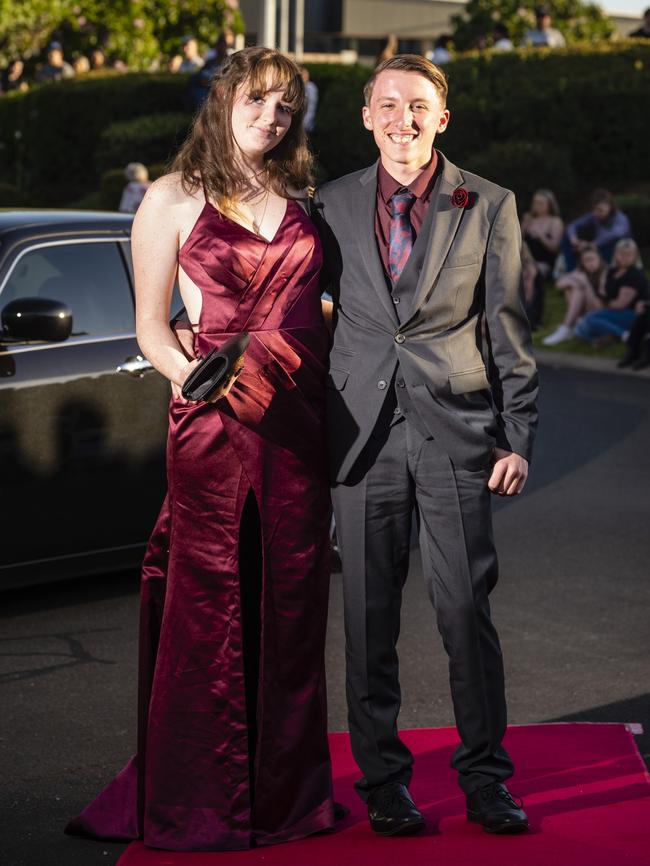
[400, 469]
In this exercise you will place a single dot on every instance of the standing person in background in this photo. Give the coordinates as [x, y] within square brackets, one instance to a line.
[232, 746]
[501, 40]
[643, 32]
[637, 344]
[311, 94]
[13, 77]
[388, 49]
[192, 60]
[135, 190]
[97, 59]
[81, 65]
[422, 413]
[441, 52]
[604, 226]
[56, 67]
[542, 229]
[199, 84]
[543, 35]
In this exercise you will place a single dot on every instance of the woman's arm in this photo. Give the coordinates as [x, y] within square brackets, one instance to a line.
[154, 243]
[625, 296]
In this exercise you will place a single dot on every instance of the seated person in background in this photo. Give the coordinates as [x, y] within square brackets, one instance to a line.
[604, 225]
[583, 289]
[541, 229]
[624, 285]
[637, 352]
[533, 287]
[138, 183]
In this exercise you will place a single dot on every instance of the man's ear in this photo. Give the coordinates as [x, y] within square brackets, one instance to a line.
[367, 120]
[443, 123]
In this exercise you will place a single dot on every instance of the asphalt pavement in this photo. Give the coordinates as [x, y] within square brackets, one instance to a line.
[572, 607]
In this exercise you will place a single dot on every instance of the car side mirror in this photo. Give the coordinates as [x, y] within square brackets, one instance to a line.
[31, 319]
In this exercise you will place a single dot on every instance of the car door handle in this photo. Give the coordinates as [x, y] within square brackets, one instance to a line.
[135, 365]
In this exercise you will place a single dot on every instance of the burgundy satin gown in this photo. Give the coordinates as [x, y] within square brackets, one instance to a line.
[232, 744]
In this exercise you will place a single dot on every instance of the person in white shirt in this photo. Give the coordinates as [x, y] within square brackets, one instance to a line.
[501, 40]
[543, 36]
[138, 183]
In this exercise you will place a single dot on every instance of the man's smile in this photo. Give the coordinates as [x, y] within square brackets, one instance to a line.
[402, 137]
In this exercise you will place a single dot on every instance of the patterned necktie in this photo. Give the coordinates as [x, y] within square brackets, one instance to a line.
[400, 241]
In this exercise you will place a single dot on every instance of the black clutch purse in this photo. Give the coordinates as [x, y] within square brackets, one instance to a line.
[215, 369]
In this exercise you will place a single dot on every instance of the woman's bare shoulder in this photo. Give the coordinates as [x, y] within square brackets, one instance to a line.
[170, 190]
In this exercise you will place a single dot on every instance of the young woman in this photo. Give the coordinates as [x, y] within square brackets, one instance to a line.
[541, 229]
[232, 746]
[624, 285]
[583, 289]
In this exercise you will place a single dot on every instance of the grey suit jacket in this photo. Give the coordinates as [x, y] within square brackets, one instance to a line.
[461, 340]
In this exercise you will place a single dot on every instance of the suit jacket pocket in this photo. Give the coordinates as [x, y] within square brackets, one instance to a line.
[468, 380]
[337, 378]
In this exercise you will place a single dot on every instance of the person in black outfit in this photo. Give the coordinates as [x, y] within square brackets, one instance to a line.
[644, 30]
[637, 352]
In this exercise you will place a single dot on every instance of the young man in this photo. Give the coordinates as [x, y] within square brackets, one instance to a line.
[431, 404]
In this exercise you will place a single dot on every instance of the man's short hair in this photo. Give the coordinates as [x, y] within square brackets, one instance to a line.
[410, 63]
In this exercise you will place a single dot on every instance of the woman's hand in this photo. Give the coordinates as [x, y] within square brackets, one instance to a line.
[218, 394]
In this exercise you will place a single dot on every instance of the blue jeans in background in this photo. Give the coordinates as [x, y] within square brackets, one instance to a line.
[603, 323]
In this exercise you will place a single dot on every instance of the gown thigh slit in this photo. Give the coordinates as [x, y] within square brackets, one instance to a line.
[232, 723]
[250, 591]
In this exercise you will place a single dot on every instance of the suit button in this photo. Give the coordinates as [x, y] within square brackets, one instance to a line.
[401, 383]
[395, 300]
[399, 338]
[397, 411]
[382, 384]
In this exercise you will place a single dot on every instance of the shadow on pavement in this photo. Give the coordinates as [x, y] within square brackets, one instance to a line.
[595, 416]
[68, 593]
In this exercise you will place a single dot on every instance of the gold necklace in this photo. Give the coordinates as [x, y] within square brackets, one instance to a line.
[257, 225]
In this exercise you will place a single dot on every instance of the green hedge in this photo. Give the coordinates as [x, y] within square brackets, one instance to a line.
[567, 119]
[149, 139]
[49, 136]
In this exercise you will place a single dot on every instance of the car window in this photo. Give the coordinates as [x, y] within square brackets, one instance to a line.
[176, 305]
[90, 278]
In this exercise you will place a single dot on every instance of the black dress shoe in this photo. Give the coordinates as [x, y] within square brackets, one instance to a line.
[494, 808]
[392, 812]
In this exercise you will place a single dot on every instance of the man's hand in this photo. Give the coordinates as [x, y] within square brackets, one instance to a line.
[509, 473]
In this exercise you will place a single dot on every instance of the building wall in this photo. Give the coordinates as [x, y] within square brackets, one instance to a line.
[407, 19]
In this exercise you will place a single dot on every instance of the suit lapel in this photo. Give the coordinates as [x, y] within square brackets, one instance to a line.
[442, 231]
[367, 241]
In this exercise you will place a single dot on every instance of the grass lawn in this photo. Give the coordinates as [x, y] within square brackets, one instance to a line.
[554, 310]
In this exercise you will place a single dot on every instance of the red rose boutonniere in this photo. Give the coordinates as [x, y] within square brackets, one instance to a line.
[460, 197]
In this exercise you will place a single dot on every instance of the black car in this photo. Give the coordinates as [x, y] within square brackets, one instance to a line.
[83, 417]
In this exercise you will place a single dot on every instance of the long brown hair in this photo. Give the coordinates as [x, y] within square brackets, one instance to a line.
[208, 155]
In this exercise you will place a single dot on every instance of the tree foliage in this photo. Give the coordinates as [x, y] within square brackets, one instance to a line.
[577, 20]
[138, 32]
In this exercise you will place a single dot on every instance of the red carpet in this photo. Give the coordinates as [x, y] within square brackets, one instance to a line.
[585, 787]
